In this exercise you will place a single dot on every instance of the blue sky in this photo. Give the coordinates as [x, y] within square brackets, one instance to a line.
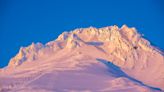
[25, 21]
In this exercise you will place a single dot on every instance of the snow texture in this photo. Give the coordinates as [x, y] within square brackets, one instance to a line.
[108, 59]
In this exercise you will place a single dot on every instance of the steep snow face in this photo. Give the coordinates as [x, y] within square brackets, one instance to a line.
[123, 47]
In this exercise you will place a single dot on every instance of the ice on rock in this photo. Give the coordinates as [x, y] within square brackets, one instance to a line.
[73, 55]
[72, 42]
[63, 36]
[26, 54]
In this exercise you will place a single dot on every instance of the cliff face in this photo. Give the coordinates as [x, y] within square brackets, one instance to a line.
[123, 47]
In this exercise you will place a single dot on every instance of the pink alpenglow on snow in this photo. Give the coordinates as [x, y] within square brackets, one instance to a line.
[108, 59]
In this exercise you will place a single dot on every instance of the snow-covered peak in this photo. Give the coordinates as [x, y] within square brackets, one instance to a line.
[123, 51]
[115, 40]
[100, 34]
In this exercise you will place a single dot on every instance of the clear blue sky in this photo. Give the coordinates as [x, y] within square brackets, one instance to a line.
[25, 21]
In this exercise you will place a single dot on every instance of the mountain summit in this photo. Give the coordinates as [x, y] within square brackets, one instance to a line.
[108, 59]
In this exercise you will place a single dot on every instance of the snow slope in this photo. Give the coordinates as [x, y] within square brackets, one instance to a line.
[108, 59]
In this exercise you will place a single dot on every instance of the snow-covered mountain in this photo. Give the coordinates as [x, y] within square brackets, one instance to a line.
[108, 59]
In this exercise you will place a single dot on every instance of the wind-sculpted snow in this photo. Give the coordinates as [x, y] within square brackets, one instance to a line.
[108, 59]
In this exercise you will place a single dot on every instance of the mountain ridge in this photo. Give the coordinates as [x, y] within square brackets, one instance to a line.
[130, 37]
[123, 47]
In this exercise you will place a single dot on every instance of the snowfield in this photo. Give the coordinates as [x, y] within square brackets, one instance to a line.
[108, 59]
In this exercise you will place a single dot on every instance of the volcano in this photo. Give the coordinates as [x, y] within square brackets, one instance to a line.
[108, 59]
